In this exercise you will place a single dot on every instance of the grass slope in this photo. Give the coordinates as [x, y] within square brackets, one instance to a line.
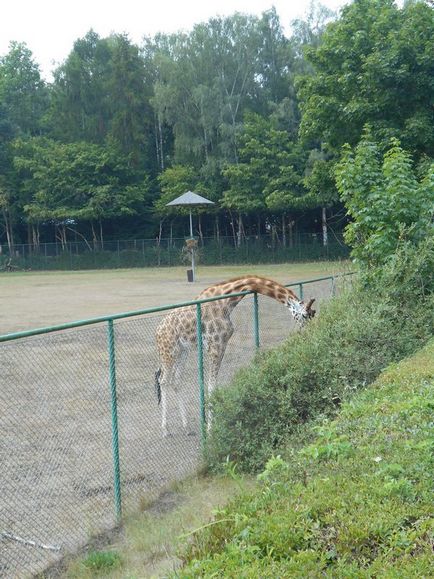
[358, 502]
[149, 543]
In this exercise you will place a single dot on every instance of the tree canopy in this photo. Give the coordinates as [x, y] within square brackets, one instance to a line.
[251, 117]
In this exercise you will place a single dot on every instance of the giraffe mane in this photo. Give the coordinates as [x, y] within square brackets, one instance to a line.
[257, 278]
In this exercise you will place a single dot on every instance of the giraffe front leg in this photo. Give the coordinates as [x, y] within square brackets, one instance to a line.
[164, 412]
[166, 377]
[216, 353]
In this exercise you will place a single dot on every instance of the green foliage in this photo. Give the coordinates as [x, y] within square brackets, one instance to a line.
[220, 101]
[387, 204]
[23, 93]
[100, 561]
[269, 170]
[174, 181]
[73, 181]
[209, 78]
[320, 181]
[341, 351]
[367, 69]
[360, 513]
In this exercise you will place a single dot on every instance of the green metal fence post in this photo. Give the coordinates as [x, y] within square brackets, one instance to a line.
[300, 289]
[114, 411]
[256, 319]
[200, 371]
[333, 286]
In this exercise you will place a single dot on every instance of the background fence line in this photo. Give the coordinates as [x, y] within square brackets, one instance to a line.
[61, 385]
[168, 252]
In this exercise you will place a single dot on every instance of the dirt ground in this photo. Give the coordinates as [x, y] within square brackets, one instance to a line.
[37, 299]
[56, 446]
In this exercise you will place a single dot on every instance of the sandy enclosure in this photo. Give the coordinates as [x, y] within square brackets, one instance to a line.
[56, 428]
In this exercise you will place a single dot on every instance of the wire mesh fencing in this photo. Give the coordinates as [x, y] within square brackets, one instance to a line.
[79, 255]
[80, 426]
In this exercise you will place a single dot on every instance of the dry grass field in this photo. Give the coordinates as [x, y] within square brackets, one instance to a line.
[36, 299]
[56, 470]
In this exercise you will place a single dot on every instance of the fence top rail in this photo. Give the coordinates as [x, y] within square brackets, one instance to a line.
[156, 309]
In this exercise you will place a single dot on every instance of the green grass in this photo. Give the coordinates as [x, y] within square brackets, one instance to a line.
[355, 502]
[101, 561]
[149, 543]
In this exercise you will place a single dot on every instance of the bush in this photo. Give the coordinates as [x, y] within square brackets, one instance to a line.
[344, 349]
[386, 201]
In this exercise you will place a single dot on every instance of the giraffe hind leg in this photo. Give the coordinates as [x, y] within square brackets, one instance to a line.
[158, 385]
[179, 388]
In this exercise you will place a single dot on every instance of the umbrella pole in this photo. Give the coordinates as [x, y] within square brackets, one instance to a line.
[192, 249]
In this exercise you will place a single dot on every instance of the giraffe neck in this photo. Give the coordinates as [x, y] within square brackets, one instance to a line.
[260, 285]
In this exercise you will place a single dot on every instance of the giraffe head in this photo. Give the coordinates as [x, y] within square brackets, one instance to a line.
[300, 311]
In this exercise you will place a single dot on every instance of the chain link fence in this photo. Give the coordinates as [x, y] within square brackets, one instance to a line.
[80, 432]
[75, 255]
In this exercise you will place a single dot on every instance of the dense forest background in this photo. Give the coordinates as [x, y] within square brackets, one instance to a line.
[235, 110]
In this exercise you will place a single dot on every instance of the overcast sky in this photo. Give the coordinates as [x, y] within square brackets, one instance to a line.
[50, 27]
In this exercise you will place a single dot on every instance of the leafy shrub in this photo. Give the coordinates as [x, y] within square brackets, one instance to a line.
[343, 350]
[387, 203]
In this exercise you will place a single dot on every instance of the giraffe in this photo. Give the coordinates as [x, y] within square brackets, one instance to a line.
[176, 333]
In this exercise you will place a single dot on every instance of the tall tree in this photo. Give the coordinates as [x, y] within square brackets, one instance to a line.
[9, 210]
[102, 94]
[209, 78]
[130, 123]
[80, 101]
[269, 173]
[374, 65]
[23, 93]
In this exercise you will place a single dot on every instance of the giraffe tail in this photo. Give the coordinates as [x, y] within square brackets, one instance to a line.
[158, 384]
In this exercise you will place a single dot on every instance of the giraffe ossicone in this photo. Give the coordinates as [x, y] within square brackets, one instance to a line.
[176, 333]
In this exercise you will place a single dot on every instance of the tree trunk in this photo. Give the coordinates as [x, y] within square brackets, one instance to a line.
[160, 141]
[82, 237]
[291, 224]
[101, 234]
[61, 235]
[35, 236]
[273, 236]
[94, 237]
[233, 229]
[200, 229]
[324, 227]
[217, 228]
[9, 231]
[240, 229]
[283, 230]
[160, 231]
